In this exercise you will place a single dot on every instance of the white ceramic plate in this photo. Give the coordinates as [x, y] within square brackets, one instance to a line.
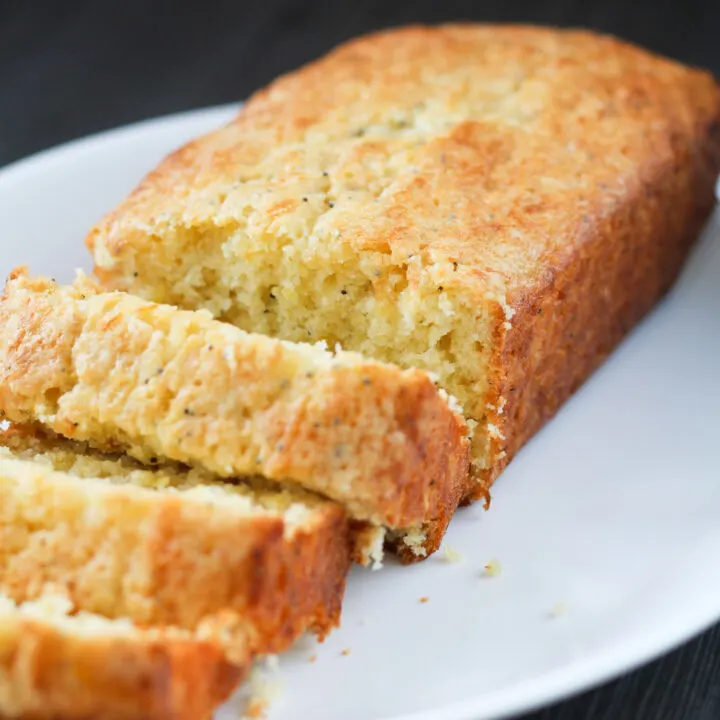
[607, 526]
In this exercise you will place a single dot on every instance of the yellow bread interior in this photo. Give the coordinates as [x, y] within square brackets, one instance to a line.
[300, 288]
[251, 498]
[23, 449]
[57, 610]
[335, 236]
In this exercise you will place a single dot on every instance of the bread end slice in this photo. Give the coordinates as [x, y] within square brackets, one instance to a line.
[168, 545]
[57, 664]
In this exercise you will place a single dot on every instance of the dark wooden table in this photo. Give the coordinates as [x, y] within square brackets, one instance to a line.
[72, 68]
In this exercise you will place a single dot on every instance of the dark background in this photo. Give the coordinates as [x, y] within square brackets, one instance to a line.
[72, 68]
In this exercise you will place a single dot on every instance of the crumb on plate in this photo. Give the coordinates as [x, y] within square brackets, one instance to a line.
[451, 554]
[263, 689]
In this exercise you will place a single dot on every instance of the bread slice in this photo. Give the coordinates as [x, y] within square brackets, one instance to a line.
[57, 663]
[498, 205]
[124, 373]
[252, 566]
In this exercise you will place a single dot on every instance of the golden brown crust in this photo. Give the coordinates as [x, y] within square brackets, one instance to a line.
[48, 672]
[514, 165]
[627, 255]
[159, 558]
[121, 372]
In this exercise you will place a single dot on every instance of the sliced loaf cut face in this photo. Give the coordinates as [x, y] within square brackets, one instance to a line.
[59, 663]
[498, 205]
[126, 374]
[251, 566]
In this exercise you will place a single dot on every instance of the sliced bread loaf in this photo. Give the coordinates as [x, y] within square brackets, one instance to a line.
[157, 382]
[498, 205]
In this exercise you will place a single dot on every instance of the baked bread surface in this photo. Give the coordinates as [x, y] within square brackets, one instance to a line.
[499, 205]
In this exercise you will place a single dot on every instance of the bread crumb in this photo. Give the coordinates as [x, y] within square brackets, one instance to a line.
[451, 554]
[346, 651]
[374, 550]
[263, 690]
[492, 568]
[451, 400]
[424, 599]
[494, 432]
[255, 710]
[415, 539]
[557, 610]
[312, 658]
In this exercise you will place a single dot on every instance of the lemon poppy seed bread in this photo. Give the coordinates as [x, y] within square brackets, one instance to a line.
[498, 205]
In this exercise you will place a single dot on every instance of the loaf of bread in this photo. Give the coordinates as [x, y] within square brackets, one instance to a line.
[158, 382]
[57, 663]
[251, 566]
[498, 205]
